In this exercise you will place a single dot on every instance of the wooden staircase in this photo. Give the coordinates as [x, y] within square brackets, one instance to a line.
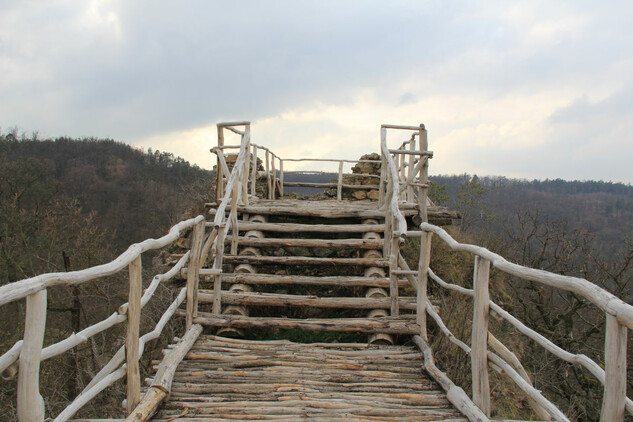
[308, 265]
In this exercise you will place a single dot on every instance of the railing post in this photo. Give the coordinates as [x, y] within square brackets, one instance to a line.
[281, 177]
[233, 220]
[274, 176]
[424, 176]
[383, 176]
[132, 338]
[220, 188]
[479, 341]
[30, 402]
[268, 181]
[411, 167]
[247, 161]
[254, 172]
[339, 184]
[423, 279]
[614, 397]
[394, 253]
[217, 264]
[193, 274]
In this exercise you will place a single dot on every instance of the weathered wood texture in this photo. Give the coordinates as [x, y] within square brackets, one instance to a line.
[225, 379]
[403, 324]
[278, 299]
[30, 403]
[161, 385]
[303, 260]
[132, 337]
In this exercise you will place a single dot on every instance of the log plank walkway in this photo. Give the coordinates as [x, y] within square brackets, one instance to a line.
[224, 379]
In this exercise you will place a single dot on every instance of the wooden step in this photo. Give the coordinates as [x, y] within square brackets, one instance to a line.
[341, 281]
[403, 324]
[304, 260]
[277, 299]
[311, 228]
[311, 243]
[332, 211]
[329, 185]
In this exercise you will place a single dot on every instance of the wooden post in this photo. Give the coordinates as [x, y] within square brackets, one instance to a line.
[479, 341]
[423, 278]
[339, 186]
[245, 170]
[411, 166]
[274, 176]
[217, 264]
[281, 177]
[381, 187]
[233, 218]
[220, 187]
[268, 181]
[193, 275]
[615, 371]
[394, 252]
[402, 176]
[424, 176]
[30, 402]
[131, 340]
[254, 172]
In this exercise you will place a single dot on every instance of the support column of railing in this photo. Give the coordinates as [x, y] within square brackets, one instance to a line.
[425, 237]
[479, 340]
[193, 274]
[132, 337]
[30, 402]
[254, 171]
[245, 171]
[411, 165]
[268, 178]
[614, 397]
[339, 184]
[220, 187]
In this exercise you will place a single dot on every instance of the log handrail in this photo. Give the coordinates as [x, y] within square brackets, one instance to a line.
[618, 316]
[30, 351]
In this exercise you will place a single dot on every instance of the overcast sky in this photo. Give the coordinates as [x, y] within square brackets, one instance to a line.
[531, 89]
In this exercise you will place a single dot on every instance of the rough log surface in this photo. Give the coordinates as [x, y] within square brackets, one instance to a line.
[225, 379]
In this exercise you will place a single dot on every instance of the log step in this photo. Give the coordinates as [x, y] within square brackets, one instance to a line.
[225, 379]
[311, 228]
[311, 243]
[304, 260]
[276, 299]
[403, 324]
[341, 281]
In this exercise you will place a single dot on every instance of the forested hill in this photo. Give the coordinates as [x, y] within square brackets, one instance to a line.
[604, 210]
[94, 193]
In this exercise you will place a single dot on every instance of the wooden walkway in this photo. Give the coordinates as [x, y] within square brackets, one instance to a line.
[261, 269]
[224, 379]
[307, 266]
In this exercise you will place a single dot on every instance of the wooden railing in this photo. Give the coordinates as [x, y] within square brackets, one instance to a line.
[404, 179]
[618, 314]
[27, 354]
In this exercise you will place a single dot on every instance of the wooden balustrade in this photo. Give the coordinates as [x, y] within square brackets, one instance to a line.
[618, 320]
[404, 176]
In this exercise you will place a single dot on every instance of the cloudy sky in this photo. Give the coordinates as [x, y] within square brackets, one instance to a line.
[531, 89]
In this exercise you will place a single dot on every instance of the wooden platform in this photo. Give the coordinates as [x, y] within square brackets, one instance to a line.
[225, 379]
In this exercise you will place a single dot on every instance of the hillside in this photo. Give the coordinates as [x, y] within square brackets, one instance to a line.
[135, 194]
[602, 210]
